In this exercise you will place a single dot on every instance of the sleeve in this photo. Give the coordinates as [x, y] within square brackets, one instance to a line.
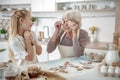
[79, 44]
[18, 50]
[51, 46]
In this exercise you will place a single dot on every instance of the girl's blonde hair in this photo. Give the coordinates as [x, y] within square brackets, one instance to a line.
[15, 24]
[73, 15]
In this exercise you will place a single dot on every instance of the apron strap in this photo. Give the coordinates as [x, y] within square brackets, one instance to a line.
[78, 33]
[62, 36]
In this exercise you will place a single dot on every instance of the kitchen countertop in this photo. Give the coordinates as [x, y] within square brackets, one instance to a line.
[97, 45]
[90, 45]
[3, 40]
[85, 74]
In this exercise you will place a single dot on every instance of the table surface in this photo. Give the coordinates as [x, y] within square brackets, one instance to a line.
[85, 74]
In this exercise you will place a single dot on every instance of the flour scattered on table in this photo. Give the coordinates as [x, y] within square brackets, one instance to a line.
[68, 67]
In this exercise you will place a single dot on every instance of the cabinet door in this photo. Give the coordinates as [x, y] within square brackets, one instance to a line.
[42, 5]
[76, 0]
[48, 5]
[58, 1]
[36, 5]
[24, 1]
[54, 55]
[20, 1]
[44, 55]
[2, 2]
[4, 55]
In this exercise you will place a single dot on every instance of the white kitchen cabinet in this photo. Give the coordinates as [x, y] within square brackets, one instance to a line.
[4, 2]
[20, 1]
[86, 5]
[45, 56]
[12, 2]
[4, 55]
[36, 5]
[59, 1]
[12, 5]
[54, 55]
[41, 58]
[42, 5]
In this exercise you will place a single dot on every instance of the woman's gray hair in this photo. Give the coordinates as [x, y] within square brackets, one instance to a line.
[73, 15]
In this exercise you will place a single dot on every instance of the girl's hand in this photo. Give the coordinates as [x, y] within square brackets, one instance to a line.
[29, 57]
[28, 35]
[38, 49]
[29, 48]
[33, 42]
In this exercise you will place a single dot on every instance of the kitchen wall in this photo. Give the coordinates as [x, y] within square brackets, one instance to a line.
[104, 21]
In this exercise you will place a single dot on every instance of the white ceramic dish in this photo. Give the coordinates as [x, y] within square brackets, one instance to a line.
[87, 66]
[94, 60]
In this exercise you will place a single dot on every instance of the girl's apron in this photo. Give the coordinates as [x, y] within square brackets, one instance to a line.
[24, 62]
[66, 51]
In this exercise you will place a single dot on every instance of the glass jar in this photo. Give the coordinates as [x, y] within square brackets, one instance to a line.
[112, 54]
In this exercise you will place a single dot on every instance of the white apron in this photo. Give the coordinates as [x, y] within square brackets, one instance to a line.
[24, 62]
[66, 51]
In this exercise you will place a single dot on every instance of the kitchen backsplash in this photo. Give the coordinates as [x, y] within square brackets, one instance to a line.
[5, 23]
[102, 25]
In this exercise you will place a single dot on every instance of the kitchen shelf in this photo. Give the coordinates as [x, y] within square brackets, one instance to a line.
[68, 1]
[95, 10]
[87, 6]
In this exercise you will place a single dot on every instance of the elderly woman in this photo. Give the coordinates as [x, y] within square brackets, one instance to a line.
[70, 39]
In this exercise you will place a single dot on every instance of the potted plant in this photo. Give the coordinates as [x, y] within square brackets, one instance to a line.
[3, 31]
[93, 34]
[34, 20]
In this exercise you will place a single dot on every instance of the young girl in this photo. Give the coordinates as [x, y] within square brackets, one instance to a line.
[23, 46]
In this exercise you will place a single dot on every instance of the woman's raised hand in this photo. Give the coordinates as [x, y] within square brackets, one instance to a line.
[58, 25]
[73, 25]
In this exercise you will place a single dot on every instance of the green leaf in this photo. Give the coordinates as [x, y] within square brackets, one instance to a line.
[1, 50]
[3, 31]
[34, 19]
